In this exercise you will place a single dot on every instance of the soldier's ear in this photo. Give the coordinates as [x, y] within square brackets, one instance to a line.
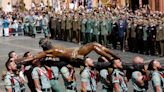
[9, 67]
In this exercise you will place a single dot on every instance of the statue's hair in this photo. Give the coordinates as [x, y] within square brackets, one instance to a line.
[45, 44]
[42, 41]
[150, 66]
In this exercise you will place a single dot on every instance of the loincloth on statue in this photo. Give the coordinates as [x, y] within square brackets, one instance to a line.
[74, 53]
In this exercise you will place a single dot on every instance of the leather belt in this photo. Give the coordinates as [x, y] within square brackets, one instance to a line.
[71, 88]
[91, 91]
[55, 78]
[46, 89]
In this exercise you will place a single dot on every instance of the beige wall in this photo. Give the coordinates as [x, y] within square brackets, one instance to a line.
[4, 3]
[95, 3]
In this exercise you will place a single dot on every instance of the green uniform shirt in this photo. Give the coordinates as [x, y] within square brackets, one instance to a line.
[55, 85]
[55, 71]
[68, 23]
[12, 81]
[157, 80]
[119, 77]
[104, 29]
[89, 26]
[109, 26]
[41, 74]
[83, 25]
[104, 75]
[89, 78]
[145, 35]
[63, 23]
[135, 76]
[96, 28]
[65, 73]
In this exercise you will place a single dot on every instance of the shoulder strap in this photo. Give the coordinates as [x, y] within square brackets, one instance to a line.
[41, 71]
[90, 80]
[12, 80]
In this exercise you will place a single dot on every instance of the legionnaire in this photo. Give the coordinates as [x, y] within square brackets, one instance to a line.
[41, 78]
[151, 37]
[45, 23]
[133, 36]
[118, 77]
[76, 28]
[128, 36]
[162, 40]
[157, 80]
[38, 22]
[114, 34]
[96, 29]
[68, 74]
[104, 30]
[68, 27]
[26, 25]
[83, 28]
[53, 71]
[32, 22]
[58, 27]
[139, 35]
[122, 24]
[109, 21]
[53, 26]
[63, 27]
[27, 72]
[89, 29]
[140, 78]
[88, 77]
[13, 81]
[159, 36]
[145, 36]
[105, 77]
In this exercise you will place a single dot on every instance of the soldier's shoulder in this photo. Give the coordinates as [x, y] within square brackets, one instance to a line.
[115, 72]
[64, 69]
[7, 75]
[103, 71]
[84, 73]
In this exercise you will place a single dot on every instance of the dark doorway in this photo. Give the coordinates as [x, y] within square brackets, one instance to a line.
[145, 2]
[135, 4]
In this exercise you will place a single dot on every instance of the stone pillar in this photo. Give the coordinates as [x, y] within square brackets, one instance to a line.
[95, 3]
[123, 3]
[67, 3]
[161, 5]
[152, 5]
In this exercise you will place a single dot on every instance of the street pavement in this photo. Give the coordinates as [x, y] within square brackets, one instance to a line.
[21, 44]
